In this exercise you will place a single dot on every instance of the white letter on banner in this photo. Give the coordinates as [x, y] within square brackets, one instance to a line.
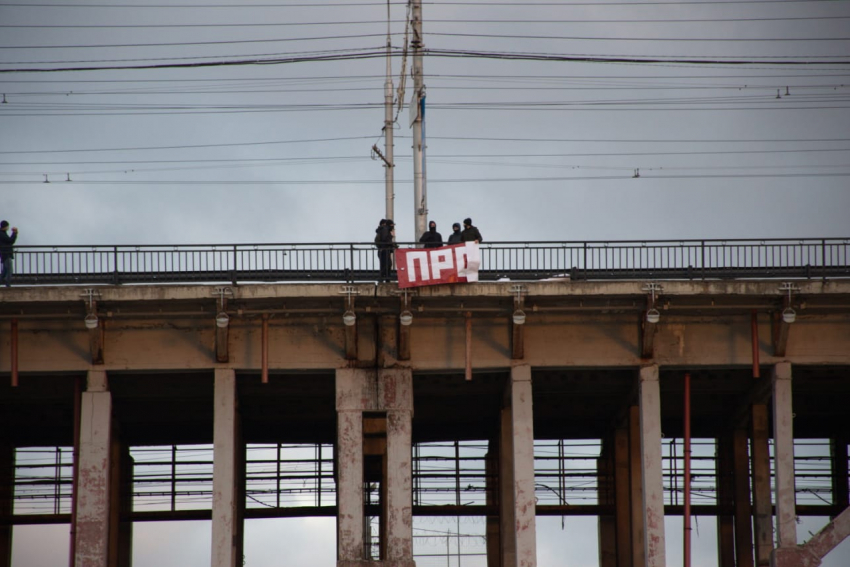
[441, 260]
[472, 254]
[422, 258]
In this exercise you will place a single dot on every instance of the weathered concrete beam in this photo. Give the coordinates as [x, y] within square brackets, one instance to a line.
[780, 331]
[812, 553]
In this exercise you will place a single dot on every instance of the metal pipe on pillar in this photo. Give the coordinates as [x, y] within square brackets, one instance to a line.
[687, 473]
[14, 354]
[265, 341]
[468, 374]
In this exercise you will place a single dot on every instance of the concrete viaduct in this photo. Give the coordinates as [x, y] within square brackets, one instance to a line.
[106, 368]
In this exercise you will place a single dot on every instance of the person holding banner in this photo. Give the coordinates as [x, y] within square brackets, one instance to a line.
[470, 233]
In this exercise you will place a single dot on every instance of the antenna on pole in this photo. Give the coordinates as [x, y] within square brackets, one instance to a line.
[417, 121]
[388, 128]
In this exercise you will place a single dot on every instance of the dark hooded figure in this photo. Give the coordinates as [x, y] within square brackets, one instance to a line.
[470, 233]
[432, 238]
[454, 237]
[384, 240]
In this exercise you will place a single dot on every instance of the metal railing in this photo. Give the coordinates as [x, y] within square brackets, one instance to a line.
[358, 262]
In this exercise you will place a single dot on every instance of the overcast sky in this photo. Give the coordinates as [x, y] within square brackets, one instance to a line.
[545, 121]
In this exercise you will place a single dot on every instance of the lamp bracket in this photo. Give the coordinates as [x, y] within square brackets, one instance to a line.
[89, 294]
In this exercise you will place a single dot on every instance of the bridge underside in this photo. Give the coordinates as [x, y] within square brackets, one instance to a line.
[579, 411]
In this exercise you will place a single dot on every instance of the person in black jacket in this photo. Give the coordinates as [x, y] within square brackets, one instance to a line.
[384, 239]
[470, 233]
[454, 237]
[432, 238]
[7, 252]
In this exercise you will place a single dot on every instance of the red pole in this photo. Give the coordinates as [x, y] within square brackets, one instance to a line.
[14, 356]
[687, 483]
[265, 340]
[468, 345]
[754, 325]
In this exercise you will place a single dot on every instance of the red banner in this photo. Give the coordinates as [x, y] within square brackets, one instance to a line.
[434, 266]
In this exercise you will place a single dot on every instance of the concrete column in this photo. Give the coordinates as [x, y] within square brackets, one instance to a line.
[7, 504]
[783, 439]
[636, 515]
[519, 538]
[622, 492]
[399, 508]
[725, 470]
[743, 509]
[605, 496]
[226, 524]
[395, 390]
[93, 500]
[493, 527]
[653, 487]
[762, 506]
[507, 510]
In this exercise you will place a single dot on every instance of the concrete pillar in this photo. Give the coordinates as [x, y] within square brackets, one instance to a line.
[725, 470]
[605, 496]
[783, 440]
[227, 448]
[7, 504]
[389, 391]
[493, 528]
[93, 500]
[622, 491]
[519, 538]
[636, 516]
[653, 487]
[840, 487]
[121, 503]
[762, 505]
[743, 509]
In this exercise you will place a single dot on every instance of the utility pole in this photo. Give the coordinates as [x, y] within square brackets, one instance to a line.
[388, 127]
[417, 114]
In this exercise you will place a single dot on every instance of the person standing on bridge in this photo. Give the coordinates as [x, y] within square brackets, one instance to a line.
[454, 237]
[432, 238]
[470, 233]
[6, 252]
[384, 239]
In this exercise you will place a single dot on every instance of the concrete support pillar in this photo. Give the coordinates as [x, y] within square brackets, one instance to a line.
[725, 470]
[636, 516]
[399, 505]
[783, 439]
[228, 460]
[653, 487]
[762, 505]
[7, 504]
[743, 509]
[493, 529]
[519, 537]
[120, 503]
[840, 477]
[93, 500]
[622, 491]
[605, 496]
[388, 391]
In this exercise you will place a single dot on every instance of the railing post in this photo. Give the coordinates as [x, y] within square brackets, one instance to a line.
[584, 260]
[115, 279]
[350, 263]
[233, 273]
[823, 258]
[702, 257]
